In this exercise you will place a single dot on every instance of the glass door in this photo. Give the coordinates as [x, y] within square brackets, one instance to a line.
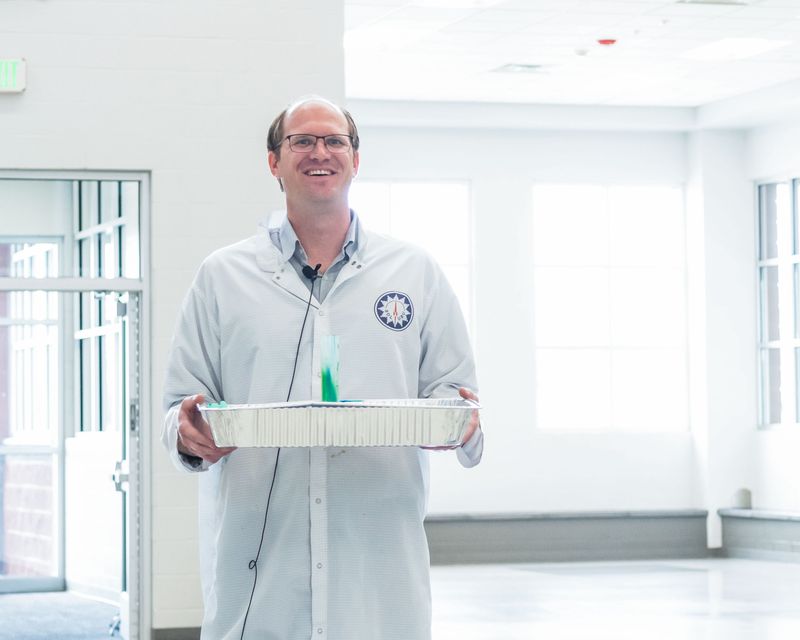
[30, 426]
[71, 308]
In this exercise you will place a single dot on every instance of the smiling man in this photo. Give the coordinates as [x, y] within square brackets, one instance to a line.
[302, 543]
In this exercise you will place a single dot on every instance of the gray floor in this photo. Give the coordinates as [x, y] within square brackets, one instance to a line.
[658, 600]
[53, 616]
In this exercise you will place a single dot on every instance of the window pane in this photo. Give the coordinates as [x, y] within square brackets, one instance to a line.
[646, 226]
[649, 389]
[21, 259]
[29, 360]
[372, 202]
[571, 307]
[109, 201]
[770, 325]
[771, 386]
[111, 399]
[434, 216]
[570, 225]
[28, 536]
[89, 204]
[648, 307]
[110, 255]
[775, 219]
[573, 389]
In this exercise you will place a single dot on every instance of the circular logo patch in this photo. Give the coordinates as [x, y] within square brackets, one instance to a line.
[394, 310]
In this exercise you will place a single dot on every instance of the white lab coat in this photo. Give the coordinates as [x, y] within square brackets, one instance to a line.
[344, 555]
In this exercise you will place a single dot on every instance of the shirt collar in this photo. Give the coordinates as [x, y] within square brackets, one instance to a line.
[286, 241]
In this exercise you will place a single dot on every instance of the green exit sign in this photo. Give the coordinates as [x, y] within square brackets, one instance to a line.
[12, 75]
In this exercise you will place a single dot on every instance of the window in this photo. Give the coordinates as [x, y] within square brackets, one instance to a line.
[609, 297]
[432, 215]
[107, 220]
[779, 291]
[29, 342]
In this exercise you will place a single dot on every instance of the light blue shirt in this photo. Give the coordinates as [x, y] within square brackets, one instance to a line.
[286, 241]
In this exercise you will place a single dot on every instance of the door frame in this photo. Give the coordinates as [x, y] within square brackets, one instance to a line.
[139, 491]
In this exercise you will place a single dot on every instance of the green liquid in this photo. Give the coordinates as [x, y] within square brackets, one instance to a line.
[330, 390]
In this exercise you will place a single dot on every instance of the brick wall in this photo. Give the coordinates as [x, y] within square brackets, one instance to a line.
[28, 538]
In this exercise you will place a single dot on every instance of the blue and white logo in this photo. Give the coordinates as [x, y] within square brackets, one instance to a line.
[394, 310]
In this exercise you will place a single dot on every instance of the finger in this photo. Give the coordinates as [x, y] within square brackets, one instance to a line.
[467, 394]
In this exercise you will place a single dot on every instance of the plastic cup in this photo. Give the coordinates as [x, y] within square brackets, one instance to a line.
[329, 367]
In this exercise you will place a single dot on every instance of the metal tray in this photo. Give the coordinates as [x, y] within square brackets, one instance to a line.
[367, 423]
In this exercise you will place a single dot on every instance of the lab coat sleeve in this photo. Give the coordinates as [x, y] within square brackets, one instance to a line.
[446, 361]
[193, 366]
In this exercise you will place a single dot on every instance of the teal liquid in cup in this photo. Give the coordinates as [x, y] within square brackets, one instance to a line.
[329, 367]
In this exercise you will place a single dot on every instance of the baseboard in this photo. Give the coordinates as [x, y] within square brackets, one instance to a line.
[761, 534]
[563, 537]
[185, 633]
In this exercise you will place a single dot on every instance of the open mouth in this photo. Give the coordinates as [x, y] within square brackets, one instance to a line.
[318, 172]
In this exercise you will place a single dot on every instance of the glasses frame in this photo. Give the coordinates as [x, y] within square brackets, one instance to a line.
[317, 139]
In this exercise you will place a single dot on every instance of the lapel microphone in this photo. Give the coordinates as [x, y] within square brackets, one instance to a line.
[312, 274]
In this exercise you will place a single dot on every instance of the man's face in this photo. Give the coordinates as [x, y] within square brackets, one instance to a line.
[317, 176]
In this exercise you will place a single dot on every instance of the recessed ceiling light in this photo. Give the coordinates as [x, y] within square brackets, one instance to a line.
[514, 67]
[734, 49]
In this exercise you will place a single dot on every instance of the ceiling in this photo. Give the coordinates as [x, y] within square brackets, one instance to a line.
[448, 50]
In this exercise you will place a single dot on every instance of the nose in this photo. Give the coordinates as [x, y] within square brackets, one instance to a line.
[320, 149]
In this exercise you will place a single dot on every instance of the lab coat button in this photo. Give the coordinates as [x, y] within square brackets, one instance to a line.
[319, 565]
[319, 630]
[322, 312]
[318, 500]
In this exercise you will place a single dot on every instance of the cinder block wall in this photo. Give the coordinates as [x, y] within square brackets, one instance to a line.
[184, 89]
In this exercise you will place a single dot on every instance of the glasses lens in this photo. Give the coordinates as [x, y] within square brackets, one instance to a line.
[337, 144]
[302, 142]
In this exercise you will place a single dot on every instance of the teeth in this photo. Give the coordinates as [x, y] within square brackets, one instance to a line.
[319, 172]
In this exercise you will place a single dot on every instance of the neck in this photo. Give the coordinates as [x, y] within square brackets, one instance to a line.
[321, 233]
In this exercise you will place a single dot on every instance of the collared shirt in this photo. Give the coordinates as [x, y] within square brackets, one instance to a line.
[344, 553]
[286, 241]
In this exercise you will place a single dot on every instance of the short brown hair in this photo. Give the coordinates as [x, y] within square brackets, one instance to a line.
[275, 135]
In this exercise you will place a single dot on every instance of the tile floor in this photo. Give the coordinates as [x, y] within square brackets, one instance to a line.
[654, 600]
[714, 599]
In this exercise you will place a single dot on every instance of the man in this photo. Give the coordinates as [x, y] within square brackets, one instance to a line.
[300, 543]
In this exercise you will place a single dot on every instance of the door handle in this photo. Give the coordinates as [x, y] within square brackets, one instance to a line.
[120, 476]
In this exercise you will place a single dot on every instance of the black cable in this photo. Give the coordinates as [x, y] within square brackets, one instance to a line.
[311, 274]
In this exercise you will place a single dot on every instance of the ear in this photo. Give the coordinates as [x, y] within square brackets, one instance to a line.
[273, 160]
[356, 160]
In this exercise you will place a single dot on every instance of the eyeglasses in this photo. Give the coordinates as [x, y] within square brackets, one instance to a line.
[306, 142]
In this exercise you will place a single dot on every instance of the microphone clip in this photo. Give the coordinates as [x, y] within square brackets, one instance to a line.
[312, 273]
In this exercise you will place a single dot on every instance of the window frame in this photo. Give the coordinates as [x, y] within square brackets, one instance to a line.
[786, 263]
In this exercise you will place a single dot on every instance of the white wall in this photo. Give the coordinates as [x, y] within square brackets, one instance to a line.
[722, 318]
[525, 469]
[185, 90]
[773, 153]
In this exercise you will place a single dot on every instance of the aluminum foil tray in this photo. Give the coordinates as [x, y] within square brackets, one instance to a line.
[427, 422]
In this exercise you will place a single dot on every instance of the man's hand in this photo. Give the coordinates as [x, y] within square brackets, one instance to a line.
[474, 423]
[475, 420]
[194, 434]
